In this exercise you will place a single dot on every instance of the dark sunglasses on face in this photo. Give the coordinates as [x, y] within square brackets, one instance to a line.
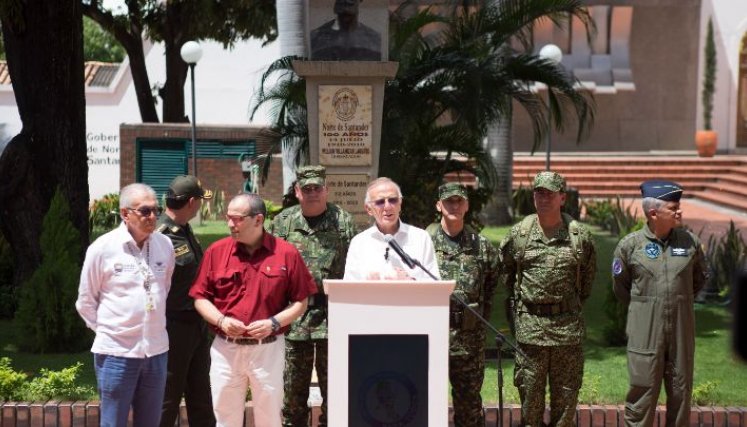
[380, 203]
[308, 189]
[145, 211]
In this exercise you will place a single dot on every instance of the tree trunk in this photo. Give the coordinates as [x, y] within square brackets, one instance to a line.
[44, 49]
[500, 148]
[291, 34]
[141, 81]
[172, 92]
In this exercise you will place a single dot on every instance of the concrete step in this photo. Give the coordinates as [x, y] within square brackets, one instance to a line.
[640, 170]
[723, 199]
[720, 180]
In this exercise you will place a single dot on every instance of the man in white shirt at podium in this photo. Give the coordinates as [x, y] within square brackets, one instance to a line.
[371, 257]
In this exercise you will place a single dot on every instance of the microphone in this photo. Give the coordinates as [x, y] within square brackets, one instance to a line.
[401, 252]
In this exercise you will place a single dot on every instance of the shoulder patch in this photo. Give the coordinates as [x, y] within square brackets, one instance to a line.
[617, 266]
[174, 228]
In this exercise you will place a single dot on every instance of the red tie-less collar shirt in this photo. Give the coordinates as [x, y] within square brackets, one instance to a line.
[252, 287]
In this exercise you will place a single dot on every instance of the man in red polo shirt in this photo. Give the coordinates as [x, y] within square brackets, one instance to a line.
[250, 287]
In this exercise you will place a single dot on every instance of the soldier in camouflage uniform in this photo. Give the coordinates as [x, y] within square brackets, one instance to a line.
[189, 343]
[321, 231]
[470, 259]
[657, 271]
[549, 263]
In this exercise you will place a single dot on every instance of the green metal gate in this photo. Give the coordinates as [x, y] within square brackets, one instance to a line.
[159, 161]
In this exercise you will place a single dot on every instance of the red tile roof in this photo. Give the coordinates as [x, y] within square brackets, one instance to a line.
[96, 74]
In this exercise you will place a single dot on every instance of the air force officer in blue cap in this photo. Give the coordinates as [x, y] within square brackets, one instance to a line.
[657, 271]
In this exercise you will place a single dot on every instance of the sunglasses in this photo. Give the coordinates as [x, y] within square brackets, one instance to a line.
[146, 211]
[380, 203]
[308, 189]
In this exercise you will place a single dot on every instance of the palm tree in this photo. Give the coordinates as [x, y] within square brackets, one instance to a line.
[499, 142]
[451, 85]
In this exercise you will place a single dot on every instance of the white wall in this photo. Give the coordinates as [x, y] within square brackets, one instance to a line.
[225, 82]
[729, 26]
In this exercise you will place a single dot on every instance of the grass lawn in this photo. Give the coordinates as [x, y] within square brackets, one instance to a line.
[719, 378]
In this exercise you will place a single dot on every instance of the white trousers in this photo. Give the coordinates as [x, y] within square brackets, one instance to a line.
[233, 367]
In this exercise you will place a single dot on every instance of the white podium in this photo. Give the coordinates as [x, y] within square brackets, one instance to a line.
[388, 357]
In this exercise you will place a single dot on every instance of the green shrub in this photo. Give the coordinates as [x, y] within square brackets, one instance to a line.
[103, 215]
[612, 217]
[46, 319]
[11, 382]
[725, 257]
[599, 213]
[60, 385]
[705, 393]
[8, 294]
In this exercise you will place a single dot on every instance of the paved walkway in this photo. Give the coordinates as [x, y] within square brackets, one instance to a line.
[707, 219]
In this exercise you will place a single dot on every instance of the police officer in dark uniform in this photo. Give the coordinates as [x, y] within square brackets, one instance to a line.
[189, 345]
[657, 271]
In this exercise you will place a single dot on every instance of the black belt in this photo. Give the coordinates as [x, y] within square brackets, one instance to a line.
[249, 341]
[551, 309]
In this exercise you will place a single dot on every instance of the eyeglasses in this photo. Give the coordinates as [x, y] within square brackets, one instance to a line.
[145, 211]
[380, 203]
[308, 189]
[238, 218]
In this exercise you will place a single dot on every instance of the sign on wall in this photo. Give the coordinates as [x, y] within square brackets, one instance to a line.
[349, 192]
[345, 125]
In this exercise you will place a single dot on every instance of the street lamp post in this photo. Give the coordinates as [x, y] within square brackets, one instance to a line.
[551, 53]
[191, 53]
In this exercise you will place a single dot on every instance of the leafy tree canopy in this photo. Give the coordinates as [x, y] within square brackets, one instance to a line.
[175, 22]
[98, 45]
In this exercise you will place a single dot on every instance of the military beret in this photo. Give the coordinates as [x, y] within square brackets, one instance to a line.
[663, 190]
[308, 175]
[552, 181]
[185, 186]
[451, 189]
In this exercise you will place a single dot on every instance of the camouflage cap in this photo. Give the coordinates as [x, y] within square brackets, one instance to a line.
[552, 181]
[185, 186]
[451, 189]
[310, 175]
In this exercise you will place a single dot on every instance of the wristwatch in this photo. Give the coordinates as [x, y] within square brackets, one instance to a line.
[275, 324]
